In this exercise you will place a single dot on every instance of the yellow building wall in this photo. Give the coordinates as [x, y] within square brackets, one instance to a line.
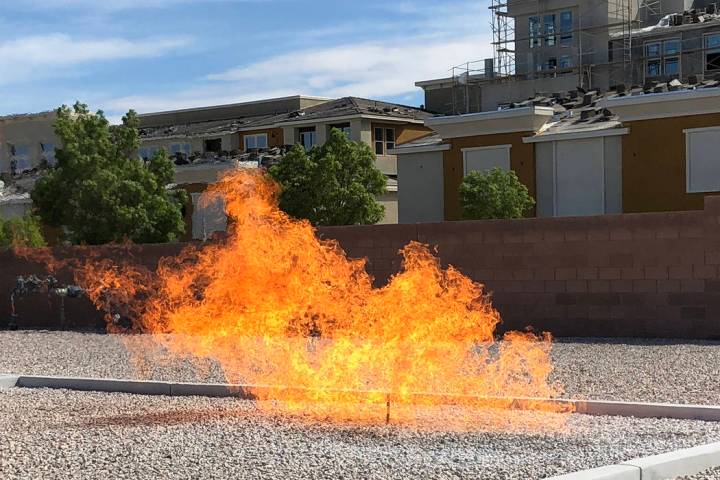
[654, 164]
[522, 161]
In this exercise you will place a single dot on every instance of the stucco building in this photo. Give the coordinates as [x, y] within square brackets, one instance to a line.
[642, 150]
[550, 46]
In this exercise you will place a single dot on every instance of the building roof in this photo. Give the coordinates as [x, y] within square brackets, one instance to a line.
[677, 22]
[218, 127]
[340, 108]
[347, 107]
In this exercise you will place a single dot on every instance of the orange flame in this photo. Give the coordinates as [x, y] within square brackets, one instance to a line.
[276, 306]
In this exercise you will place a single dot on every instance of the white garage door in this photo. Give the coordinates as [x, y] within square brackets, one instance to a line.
[580, 177]
[485, 158]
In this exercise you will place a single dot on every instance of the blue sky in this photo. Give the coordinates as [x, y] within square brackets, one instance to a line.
[153, 55]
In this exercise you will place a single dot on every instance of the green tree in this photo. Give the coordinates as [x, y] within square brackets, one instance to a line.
[494, 194]
[335, 184]
[100, 191]
[21, 232]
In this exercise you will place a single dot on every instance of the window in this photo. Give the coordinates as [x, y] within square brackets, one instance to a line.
[20, 160]
[534, 28]
[213, 145]
[662, 58]
[389, 139]
[565, 61]
[256, 142]
[672, 66]
[379, 142]
[308, 137]
[671, 47]
[343, 127]
[147, 153]
[482, 159]
[702, 168]
[176, 148]
[712, 52]
[551, 64]
[652, 49]
[653, 68]
[566, 26]
[384, 140]
[549, 26]
[48, 153]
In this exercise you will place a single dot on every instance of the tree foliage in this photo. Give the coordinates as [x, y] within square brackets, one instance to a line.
[494, 194]
[21, 232]
[335, 184]
[100, 191]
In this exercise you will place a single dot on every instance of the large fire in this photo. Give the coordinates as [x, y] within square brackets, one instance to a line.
[274, 305]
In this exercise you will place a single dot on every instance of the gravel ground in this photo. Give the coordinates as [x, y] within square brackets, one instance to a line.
[712, 474]
[73, 435]
[630, 369]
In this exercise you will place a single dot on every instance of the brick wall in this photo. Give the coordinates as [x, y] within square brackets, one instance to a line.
[650, 275]
[653, 274]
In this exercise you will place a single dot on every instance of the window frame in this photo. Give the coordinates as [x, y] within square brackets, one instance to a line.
[688, 135]
[255, 137]
[506, 147]
[707, 49]
[303, 132]
[550, 36]
[660, 57]
[382, 143]
[566, 34]
[535, 34]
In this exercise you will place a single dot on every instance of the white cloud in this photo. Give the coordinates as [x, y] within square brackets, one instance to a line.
[366, 69]
[42, 56]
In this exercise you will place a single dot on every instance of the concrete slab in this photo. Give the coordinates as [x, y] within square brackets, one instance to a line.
[687, 461]
[611, 472]
[8, 381]
[136, 387]
[648, 410]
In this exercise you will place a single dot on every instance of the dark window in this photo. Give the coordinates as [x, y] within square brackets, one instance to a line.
[534, 29]
[672, 66]
[712, 52]
[566, 25]
[379, 142]
[213, 145]
[549, 25]
[389, 139]
[307, 137]
[653, 68]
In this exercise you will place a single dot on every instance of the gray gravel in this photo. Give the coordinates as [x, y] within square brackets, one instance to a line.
[637, 370]
[712, 474]
[61, 434]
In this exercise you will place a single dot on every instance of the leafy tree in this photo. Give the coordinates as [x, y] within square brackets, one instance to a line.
[494, 194]
[21, 232]
[100, 191]
[335, 184]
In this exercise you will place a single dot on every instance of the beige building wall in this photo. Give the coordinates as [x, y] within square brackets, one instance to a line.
[27, 133]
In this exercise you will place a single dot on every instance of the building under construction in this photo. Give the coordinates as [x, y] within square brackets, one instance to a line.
[542, 47]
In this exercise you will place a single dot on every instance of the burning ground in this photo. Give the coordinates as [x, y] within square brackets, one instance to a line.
[274, 305]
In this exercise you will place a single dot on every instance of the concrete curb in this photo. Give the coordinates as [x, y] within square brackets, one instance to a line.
[687, 461]
[610, 472]
[254, 392]
[8, 381]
